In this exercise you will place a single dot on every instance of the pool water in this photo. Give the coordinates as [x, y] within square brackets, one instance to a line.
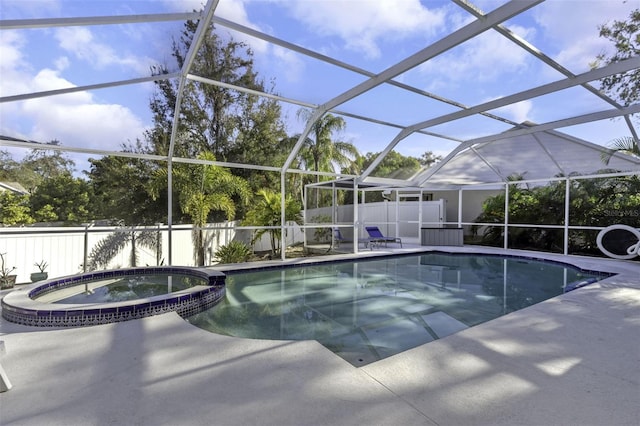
[124, 288]
[368, 310]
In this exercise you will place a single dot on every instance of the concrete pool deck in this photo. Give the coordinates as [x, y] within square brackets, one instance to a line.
[571, 360]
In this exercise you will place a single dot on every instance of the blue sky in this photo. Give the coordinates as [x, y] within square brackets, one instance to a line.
[369, 34]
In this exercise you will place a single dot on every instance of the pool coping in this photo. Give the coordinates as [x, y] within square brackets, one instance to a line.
[583, 263]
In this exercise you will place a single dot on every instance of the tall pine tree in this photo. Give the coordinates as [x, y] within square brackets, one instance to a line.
[234, 126]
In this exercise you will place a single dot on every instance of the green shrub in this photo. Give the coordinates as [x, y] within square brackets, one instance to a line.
[592, 202]
[234, 252]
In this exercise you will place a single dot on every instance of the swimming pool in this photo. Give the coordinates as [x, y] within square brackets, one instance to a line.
[371, 309]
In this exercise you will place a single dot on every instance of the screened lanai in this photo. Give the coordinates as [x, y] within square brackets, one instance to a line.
[502, 91]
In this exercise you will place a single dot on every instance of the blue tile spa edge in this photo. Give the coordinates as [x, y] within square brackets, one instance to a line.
[20, 307]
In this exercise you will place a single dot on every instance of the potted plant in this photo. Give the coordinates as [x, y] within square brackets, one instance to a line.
[7, 280]
[42, 275]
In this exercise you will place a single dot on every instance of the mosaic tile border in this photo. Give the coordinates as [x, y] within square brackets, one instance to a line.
[19, 306]
[600, 273]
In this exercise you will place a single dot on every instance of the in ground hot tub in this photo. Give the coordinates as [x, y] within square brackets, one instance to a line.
[113, 296]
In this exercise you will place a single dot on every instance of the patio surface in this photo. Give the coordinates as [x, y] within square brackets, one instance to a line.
[572, 360]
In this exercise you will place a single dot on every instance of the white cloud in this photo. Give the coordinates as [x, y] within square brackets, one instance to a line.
[482, 59]
[62, 63]
[21, 9]
[235, 11]
[518, 112]
[48, 79]
[571, 29]
[232, 10]
[81, 43]
[85, 124]
[294, 66]
[184, 5]
[13, 64]
[76, 119]
[11, 45]
[362, 25]
[12, 69]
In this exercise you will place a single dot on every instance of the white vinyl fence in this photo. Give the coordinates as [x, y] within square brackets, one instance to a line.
[65, 248]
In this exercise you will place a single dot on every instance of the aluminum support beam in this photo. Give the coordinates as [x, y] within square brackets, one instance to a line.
[545, 89]
[452, 40]
[513, 37]
[18, 24]
[26, 96]
[201, 31]
[615, 68]
[327, 59]
[580, 119]
[449, 42]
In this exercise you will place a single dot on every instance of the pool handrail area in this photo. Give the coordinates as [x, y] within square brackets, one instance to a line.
[631, 251]
[20, 307]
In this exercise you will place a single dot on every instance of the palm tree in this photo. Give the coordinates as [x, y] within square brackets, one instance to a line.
[266, 212]
[321, 153]
[203, 188]
[109, 247]
[626, 144]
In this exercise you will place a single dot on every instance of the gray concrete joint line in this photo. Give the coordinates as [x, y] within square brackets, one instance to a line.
[402, 398]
